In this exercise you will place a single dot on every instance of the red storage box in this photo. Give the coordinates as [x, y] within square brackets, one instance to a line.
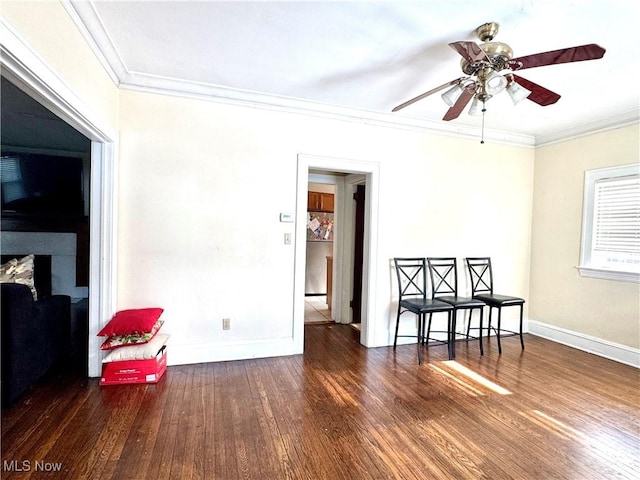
[135, 371]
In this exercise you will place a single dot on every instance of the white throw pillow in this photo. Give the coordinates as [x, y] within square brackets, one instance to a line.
[19, 271]
[144, 351]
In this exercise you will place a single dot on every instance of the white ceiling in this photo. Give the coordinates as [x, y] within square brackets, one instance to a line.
[360, 59]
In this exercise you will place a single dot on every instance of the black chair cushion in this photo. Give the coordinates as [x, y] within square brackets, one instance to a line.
[496, 300]
[462, 302]
[420, 305]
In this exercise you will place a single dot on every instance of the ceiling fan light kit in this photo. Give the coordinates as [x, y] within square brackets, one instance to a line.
[452, 95]
[494, 83]
[488, 70]
[517, 92]
[476, 107]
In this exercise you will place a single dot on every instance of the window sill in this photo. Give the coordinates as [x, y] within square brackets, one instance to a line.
[608, 274]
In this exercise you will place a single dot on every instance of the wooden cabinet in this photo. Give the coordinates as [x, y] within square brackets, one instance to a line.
[320, 202]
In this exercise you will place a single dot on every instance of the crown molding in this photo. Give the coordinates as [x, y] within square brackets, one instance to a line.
[624, 119]
[86, 18]
[176, 87]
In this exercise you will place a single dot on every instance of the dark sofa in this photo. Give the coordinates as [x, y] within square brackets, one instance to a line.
[35, 335]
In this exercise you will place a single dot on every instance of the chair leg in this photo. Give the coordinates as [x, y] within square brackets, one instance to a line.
[426, 339]
[489, 326]
[498, 330]
[452, 333]
[469, 322]
[453, 324]
[395, 338]
[521, 337]
[480, 336]
[420, 340]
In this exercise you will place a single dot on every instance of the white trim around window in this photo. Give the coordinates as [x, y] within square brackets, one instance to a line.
[603, 259]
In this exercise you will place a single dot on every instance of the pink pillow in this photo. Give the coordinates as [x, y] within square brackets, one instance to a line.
[124, 322]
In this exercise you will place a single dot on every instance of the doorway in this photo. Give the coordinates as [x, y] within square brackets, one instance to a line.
[321, 236]
[26, 70]
[350, 172]
[46, 170]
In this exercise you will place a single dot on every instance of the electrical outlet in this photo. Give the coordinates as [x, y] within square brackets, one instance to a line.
[226, 324]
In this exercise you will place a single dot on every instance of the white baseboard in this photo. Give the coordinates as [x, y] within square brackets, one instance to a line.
[204, 353]
[597, 346]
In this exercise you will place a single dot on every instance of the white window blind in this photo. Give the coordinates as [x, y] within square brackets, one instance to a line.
[611, 223]
[617, 217]
[11, 184]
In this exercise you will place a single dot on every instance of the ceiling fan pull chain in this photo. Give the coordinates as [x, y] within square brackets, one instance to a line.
[482, 134]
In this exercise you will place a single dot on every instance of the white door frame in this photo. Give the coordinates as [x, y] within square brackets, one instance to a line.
[371, 172]
[25, 68]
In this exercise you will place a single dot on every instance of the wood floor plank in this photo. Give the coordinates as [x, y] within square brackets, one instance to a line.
[137, 454]
[342, 411]
[162, 457]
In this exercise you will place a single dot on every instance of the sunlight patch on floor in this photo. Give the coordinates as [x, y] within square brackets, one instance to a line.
[470, 381]
[551, 424]
[476, 377]
[470, 389]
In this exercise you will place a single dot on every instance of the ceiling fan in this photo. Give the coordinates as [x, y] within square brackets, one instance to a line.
[489, 69]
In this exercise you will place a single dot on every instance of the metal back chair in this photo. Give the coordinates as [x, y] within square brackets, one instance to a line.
[412, 285]
[481, 276]
[444, 286]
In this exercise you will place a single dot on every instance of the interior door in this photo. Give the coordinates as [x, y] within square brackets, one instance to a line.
[356, 301]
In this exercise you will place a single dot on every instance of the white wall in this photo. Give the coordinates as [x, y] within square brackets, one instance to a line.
[199, 233]
[583, 308]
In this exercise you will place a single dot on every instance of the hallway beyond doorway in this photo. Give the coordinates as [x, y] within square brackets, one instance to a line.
[316, 309]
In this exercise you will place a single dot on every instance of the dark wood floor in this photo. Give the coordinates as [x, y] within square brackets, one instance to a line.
[341, 411]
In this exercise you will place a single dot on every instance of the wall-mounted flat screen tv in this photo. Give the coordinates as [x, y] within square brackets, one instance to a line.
[37, 184]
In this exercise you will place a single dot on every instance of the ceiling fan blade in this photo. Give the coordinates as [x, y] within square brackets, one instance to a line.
[540, 95]
[426, 94]
[564, 55]
[470, 51]
[456, 110]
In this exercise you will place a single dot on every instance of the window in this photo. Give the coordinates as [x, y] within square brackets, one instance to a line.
[11, 183]
[611, 224]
